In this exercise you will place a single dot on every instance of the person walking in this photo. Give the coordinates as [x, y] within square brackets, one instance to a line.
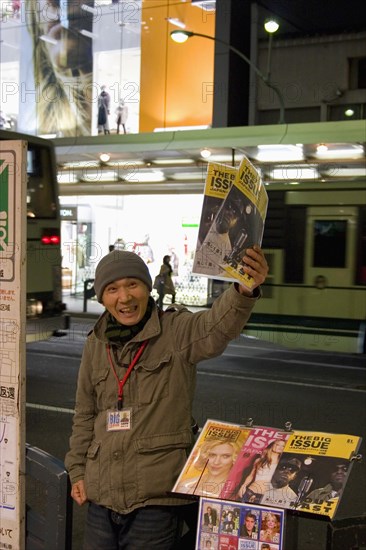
[164, 282]
[132, 428]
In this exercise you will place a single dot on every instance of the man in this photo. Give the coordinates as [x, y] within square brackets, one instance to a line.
[248, 530]
[279, 492]
[210, 518]
[139, 364]
[335, 486]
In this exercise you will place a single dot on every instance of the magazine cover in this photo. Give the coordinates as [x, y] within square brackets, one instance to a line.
[238, 224]
[255, 464]
[224, 525]
[212, 458]
[325, 462]
[310, 475]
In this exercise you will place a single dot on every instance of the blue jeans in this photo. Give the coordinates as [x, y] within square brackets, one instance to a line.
[152, 527]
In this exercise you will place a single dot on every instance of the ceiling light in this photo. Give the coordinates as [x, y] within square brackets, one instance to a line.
[139, 176]
[339, 172]
[344, 151]
[206, 5]
[205, 153]
[104, 157]
[97, 176]
[279, 153]
[321, 148]
[172, 161]
[81, 164]
[175, 21]
[67, 177]
[125, 163]
[294, 173]
[271, 25]
[176, 128]
[198, 176]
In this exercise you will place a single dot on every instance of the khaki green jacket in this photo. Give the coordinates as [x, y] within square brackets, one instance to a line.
[129, 469]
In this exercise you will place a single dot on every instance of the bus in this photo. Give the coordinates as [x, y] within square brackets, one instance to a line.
[46, 312]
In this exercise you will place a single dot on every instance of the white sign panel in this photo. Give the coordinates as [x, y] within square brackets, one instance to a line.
[12, 341]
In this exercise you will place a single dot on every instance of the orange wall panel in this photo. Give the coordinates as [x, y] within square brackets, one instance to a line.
[176, 79]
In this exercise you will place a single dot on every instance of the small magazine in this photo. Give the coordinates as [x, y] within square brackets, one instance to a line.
[224, 525]
[238, 223]
[265, 466]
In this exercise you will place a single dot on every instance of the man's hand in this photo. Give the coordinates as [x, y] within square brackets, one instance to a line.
[256, 266]
[78, 492]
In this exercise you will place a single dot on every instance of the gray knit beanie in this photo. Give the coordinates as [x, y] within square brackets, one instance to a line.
[119, 264]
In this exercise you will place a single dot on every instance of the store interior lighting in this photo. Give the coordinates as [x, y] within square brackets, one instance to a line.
[176, 22]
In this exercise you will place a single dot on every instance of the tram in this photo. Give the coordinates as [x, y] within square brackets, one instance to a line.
[46, 313]
[315, 244]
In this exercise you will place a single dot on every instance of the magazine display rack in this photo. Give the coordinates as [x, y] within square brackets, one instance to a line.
[260, 471]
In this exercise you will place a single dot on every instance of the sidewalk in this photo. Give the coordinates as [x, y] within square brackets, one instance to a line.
[75, 305]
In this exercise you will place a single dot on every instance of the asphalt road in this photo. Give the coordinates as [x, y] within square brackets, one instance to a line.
[252, 379]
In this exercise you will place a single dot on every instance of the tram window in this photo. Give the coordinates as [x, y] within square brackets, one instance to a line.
[330, 243]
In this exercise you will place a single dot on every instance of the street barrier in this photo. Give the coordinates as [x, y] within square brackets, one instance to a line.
[48, 502]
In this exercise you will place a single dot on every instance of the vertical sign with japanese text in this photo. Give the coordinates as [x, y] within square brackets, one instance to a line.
[12, 341]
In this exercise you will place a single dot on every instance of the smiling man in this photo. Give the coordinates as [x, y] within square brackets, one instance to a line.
[132, 428]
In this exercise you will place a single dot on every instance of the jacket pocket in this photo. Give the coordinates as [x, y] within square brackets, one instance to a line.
[160, 459]
[92, 471]
[152, 380]
[99, 379]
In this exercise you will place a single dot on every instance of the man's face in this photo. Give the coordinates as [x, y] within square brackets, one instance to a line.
[249, 524]
[285, 473]
[126, 299]
[338, 476]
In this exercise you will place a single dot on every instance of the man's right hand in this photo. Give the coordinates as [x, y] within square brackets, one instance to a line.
[78, 492]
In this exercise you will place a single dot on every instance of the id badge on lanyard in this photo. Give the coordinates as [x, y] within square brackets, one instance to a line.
[120, 418]
[118, 421]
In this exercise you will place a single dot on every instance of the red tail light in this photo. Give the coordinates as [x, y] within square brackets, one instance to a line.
[51, 239]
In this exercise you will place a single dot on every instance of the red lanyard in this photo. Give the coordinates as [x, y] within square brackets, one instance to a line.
[122, 382]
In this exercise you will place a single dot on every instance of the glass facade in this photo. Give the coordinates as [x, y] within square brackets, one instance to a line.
[58, 57]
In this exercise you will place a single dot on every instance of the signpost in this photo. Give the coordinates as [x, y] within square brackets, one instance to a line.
[12, 342]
